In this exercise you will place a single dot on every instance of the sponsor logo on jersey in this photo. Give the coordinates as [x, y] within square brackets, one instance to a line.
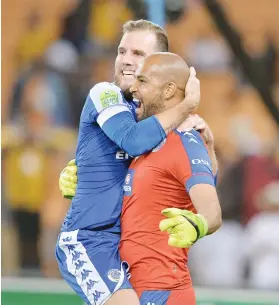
[109, 98]
[159, 146]
[201, 161]
[128, 179]
[193, 140]
[114, 275]
[128, 183]
[129, 105]
[191, 137]
[127, 188]
[187, 133]
[122, 155]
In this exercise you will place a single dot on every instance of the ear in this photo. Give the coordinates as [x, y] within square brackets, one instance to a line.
[169, 90]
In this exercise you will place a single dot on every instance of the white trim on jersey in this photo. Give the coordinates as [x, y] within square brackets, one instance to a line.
[110, 112]
[70, 239]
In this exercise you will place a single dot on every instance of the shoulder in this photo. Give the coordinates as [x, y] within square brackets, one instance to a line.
[103, 86]
[105, 94]
[196, 151]
[191, 139]
[194, 146]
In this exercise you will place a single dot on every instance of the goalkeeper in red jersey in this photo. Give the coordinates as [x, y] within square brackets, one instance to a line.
[179, 174]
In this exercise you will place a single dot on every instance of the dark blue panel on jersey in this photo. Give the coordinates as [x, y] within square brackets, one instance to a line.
[200, 162]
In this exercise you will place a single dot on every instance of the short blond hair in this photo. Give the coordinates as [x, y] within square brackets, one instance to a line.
[145, 25]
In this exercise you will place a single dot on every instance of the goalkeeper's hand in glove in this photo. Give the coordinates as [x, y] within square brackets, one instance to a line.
[184, 227]
[68, 180]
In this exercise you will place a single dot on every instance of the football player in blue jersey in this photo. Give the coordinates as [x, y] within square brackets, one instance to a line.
[87, 247]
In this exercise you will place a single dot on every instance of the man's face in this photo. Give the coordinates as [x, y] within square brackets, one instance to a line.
[133, 48]
[147, 89]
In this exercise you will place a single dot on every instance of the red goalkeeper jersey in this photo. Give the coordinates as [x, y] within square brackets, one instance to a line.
[158, 180]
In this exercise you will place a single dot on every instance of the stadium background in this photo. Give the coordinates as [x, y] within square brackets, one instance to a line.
[54, 51]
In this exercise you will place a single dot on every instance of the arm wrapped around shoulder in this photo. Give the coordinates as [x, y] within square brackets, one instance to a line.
[134, 138]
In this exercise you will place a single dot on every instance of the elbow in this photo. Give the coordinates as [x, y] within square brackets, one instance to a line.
[133, 150]
[217, 224]
[140, 138]
[134, 146]
[214, 222]
[132, 143]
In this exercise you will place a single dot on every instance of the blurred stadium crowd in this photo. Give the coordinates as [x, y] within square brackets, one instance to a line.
[54, 51]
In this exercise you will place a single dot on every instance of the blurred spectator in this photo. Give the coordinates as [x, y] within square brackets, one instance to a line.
[261, 240]
[243, 178]
[48, 80]
[9, 257]
[106, 20]
[218, 259]
[34, 152]
[258, 172]
[74, 28]
[248, 187]
[175, 10]
[264, 57]
[36, 39]
[208, 55]
[61, 55]
[138, 7]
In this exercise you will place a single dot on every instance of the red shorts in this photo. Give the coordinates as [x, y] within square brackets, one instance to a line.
[168, 297]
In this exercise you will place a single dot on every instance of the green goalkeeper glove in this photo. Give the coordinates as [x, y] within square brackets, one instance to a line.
[68, 180]
[184, 227]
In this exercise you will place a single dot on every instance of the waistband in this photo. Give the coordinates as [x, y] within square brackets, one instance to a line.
[104, 228]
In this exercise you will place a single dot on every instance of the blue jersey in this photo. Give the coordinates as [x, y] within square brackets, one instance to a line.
[107, 126]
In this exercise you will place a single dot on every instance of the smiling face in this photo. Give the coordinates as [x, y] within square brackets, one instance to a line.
[133, 48]
[160, 83]
[148, 91]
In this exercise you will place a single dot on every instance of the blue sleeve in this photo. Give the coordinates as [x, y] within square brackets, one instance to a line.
[200, 163]
[115, 116]
[134, 138]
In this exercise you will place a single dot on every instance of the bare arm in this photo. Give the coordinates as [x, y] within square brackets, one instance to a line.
[213, 159]
[206, 202]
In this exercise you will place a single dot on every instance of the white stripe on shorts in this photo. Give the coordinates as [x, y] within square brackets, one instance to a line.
[87, 277]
